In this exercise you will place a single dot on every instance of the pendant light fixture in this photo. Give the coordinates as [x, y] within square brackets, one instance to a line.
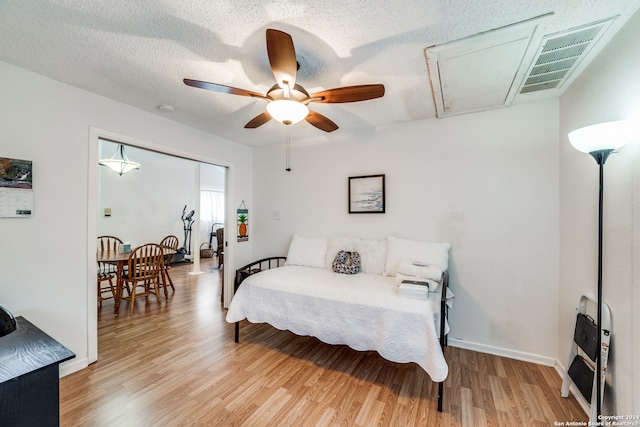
[119, 162]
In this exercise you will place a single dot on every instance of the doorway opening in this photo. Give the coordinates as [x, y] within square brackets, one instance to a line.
[146, 205]
[160, 199]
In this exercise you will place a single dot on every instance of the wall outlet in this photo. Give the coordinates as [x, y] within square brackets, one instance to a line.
[275, 215]
[107, 211]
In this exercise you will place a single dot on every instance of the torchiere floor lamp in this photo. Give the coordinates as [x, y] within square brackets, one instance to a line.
[600, 141]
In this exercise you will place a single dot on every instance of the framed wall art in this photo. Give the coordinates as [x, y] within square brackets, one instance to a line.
[366, 194]
[243, 223]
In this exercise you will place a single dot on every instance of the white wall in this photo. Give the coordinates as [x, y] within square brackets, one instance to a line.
[44, 273]
[486, 183]
[608, 90]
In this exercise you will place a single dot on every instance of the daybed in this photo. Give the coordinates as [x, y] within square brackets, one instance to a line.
[370, 310]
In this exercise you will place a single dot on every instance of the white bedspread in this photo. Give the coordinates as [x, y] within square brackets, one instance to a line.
[363, 311]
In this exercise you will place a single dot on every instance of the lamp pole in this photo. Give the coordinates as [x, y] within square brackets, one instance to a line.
[601, 157]
[600, 140]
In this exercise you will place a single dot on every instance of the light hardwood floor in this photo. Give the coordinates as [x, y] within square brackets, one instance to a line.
[176, 364]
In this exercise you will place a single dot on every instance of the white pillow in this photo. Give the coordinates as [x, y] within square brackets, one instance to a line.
[307, 251]
[336, 244]
[373, 254]
[425, 252]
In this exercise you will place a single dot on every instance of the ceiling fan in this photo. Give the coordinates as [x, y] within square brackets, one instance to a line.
[288, 101]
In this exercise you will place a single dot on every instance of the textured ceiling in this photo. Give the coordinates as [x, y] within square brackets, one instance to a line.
[138, 52]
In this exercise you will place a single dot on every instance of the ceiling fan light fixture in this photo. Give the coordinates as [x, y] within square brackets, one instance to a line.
[287, 111]
[287, 100]
[120, 165]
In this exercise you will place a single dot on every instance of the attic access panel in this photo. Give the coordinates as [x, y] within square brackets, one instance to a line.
[480, 72]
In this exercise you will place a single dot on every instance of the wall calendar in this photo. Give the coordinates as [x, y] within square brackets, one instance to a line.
[16, 189]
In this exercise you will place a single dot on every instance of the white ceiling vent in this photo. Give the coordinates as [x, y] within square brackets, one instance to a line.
[516, 63]
[482, 72]
[559, 54]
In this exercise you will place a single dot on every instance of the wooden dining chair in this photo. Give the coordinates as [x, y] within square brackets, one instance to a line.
[220, 251]
[220, 248]
[106, 271]
[171, 243]
[143, 273]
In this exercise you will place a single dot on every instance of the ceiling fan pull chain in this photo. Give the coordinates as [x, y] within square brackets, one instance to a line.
[288, 144]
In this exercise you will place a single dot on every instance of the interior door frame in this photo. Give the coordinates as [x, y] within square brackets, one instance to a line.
[95, 134]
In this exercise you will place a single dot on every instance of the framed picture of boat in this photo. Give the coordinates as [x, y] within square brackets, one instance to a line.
[366, 194]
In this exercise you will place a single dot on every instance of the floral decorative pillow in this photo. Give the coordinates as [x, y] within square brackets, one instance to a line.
[336, 244]
[346, 262]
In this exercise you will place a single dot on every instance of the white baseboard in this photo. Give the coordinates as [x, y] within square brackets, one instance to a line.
[73, 365]
[504, 352]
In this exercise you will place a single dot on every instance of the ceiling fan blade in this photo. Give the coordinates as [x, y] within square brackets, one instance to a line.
[282, 57]
[350, 93]
[258, 120]
[221, 88]
[321, 122]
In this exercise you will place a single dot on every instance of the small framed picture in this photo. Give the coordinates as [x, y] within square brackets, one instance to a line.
[366, 194]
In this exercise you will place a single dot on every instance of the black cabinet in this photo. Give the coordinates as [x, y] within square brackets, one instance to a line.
[29, 377]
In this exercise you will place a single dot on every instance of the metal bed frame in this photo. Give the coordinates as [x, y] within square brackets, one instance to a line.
[278, 261]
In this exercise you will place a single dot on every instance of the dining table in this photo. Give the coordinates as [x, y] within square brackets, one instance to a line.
[120, 260]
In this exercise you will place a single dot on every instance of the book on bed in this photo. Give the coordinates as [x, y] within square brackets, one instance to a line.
[415, 282]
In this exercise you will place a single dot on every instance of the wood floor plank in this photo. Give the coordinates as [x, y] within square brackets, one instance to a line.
[175, 364]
